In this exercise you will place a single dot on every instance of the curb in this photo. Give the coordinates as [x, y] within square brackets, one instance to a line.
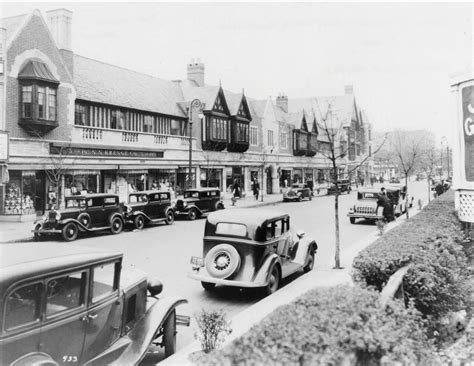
[324, 277]
[24, 240]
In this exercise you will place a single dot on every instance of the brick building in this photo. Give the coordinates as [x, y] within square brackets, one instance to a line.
[76, 124]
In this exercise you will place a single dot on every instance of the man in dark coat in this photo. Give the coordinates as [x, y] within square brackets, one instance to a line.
[384, 202]
[255, 188]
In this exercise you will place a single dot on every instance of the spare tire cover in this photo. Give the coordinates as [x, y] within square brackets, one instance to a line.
[222, 261]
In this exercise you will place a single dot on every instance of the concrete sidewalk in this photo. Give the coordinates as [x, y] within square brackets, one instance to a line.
[318, 277]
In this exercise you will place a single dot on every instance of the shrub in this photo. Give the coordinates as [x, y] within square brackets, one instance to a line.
[327, 325]
[213, 327]
[430, 242]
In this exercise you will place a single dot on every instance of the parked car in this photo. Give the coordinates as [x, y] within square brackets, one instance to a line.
[297, 192]
[88, 212]
[344, 185]
[369, 204]
[149, 207]
[251, 248]
[76, 305]
[198, 201]
[394, 180]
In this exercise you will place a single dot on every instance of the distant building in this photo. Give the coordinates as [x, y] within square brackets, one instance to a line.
[110, 129]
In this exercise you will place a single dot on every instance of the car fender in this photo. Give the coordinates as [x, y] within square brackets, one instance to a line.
[67, 221]
[265, 268]
[305, 247]
[189, 207]
[35, 359]
[134, 214]
[114, 215]
[140, 337]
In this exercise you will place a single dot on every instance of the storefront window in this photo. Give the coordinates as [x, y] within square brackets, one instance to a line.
[285, 178]
[211, 177]
[20, 195]
[162, 179]
[183, 179]
[80, 184]
[297, 176]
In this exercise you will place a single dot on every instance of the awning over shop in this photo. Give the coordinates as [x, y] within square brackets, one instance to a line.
[138, 171]
[83, 172]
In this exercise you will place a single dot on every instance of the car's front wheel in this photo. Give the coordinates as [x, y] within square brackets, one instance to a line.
[273, 281]
[169, 217]
[309, 266]
[69, 231]
[116, 225]
[38, 236]
[192, 214]
[139, 222]
[169, 334]
[208, 285]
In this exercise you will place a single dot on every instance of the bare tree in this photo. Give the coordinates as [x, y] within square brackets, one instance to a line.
[429, 164]
[56, 167]
[407, 149]
[335, 151]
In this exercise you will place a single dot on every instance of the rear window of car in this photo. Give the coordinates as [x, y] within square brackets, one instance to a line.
[191, 194]
[233, 229]
[23, 306]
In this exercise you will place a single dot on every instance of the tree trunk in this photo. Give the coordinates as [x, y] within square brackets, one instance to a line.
[337, 259]
[429, 189]
[406, 195]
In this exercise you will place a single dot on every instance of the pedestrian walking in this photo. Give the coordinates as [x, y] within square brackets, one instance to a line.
[255, 188]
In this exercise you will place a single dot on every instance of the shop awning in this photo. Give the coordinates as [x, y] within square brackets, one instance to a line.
[83, 172]
[131, 171]
[212, 167]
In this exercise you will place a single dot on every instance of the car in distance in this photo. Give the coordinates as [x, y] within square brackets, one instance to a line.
[394, 180]
[86, 213]
[344, 186]
[198, 201]
[149, 207]
[297, 192]
[370, 205]
[76, 305]
[251, 248]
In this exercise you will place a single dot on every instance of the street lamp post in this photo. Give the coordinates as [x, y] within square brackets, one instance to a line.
[195, 109]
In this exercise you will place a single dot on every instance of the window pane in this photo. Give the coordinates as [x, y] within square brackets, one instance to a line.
[225, 228]
[64, 293]
[103, 281]
[26, 95]
[51, 104]
[41, 103]
[23, 306]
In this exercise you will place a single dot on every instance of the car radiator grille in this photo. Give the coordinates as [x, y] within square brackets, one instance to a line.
[366, 210]
[180, 205]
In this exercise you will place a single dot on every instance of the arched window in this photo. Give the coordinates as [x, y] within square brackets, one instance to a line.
[38, 98]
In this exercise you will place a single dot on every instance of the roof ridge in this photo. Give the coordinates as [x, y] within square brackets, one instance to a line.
[124, 68]
[14, 16]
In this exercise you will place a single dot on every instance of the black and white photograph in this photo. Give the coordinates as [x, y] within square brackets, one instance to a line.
[236, 183]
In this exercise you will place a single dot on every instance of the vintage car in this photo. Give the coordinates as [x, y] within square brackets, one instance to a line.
[76, 305]
[394, 180]
[344, 185]
[149, 207]
[197, 201]
[88, 212]
[297, 192]
[251, 248]
[369, 205]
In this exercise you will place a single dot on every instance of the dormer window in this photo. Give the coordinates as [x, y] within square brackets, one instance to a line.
[38, 98]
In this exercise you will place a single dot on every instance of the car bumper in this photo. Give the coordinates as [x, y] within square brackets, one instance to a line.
[196, 275]
[364, 216]
[46, 231]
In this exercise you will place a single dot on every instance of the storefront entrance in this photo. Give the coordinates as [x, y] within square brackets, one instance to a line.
[25, 193]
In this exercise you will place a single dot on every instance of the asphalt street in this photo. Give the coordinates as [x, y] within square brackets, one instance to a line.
[164, 251]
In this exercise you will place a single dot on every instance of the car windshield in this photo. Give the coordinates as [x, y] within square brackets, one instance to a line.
[191, 194]
[228, 228]
[75, 202]
[369, 195]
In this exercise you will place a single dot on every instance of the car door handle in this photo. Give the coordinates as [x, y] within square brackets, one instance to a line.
[89, 317]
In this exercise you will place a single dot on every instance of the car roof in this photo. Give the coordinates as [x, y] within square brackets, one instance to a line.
[202, 189]
[92, 195]
[28, 260]
[150, 191]
[251, 217]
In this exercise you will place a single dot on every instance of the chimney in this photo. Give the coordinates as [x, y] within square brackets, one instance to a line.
[59, 21]
[196, 72]
[348, 89]
[282, 102]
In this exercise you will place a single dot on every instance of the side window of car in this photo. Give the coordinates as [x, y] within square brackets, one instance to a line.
[279, 229]
[110, 201]
[104, 281]
[213, 193]
[95, 202]
[164, 196]
[23, 306]
[65, 292]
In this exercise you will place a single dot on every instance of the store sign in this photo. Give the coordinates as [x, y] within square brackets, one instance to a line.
[4, 146]
[468, 129]
[85, 151]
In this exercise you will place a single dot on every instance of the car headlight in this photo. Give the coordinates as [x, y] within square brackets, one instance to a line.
[58, 216]
[128, 209]
[45, 217]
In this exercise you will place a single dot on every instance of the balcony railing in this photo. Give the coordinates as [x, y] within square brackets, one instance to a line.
[103, 136]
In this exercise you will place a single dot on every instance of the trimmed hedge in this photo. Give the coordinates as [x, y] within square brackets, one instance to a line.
[327, 325]
[431, 243]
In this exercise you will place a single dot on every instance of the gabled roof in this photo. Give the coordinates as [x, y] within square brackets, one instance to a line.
[104, 83]
[12, 24]
[206, 94]
[257, 107]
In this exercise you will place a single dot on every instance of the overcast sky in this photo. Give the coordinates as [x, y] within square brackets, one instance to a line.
[399, 57]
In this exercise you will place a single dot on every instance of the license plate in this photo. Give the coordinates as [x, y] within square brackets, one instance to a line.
[197, 261]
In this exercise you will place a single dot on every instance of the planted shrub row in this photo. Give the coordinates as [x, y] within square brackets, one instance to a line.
[431, 243]
[326, 326]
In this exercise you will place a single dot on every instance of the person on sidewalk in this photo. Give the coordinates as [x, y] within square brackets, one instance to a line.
[255, 188]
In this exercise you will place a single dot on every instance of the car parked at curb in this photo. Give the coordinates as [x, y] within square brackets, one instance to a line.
[344, 186]
[76, 305]
[297, 192]
[86, 213]
[198, 201]
[149, 207]
[251, 248]
[372, 206]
